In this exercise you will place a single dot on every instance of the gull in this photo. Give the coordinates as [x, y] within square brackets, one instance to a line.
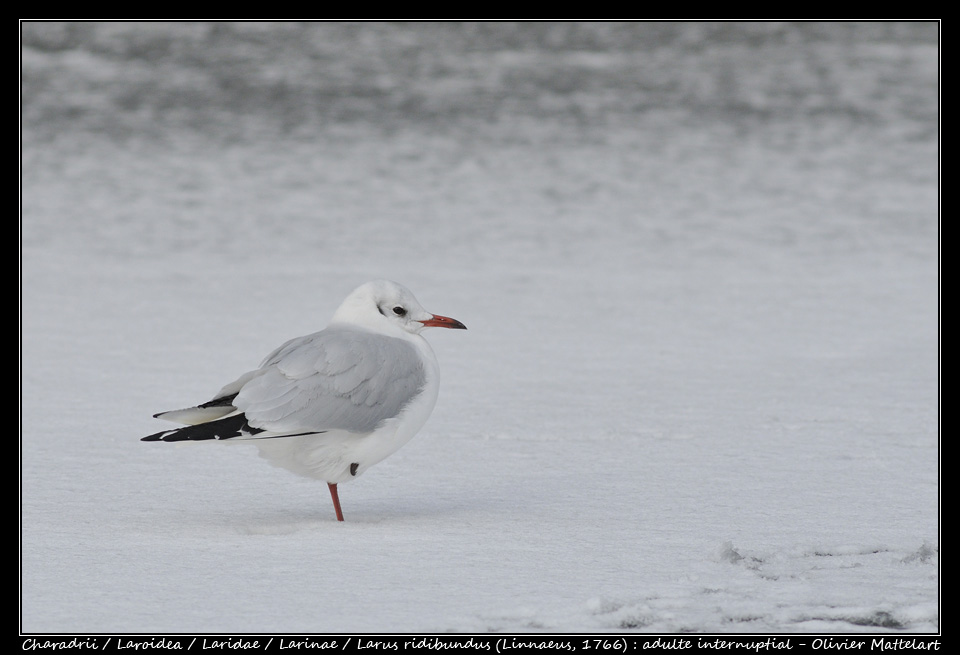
[331, 404]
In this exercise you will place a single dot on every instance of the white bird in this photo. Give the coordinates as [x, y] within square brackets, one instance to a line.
[330, 405]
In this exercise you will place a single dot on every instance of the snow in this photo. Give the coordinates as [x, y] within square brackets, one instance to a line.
[699, 389]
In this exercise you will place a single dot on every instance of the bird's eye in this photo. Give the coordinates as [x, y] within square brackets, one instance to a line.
[399, 311]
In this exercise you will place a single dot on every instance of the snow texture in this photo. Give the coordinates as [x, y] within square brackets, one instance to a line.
[700, 267]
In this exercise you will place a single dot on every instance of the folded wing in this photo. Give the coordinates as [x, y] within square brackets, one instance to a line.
[337, 379]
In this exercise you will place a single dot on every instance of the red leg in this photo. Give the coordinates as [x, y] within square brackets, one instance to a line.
[336, 500]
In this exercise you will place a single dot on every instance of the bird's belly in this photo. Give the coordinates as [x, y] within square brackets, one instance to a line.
[338, 456]
[333, 456]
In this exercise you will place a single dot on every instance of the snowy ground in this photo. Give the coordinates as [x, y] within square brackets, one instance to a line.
[699, 389]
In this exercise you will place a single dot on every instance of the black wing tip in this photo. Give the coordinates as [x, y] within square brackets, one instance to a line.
[221, 429]
[223, 401]
[160, 436]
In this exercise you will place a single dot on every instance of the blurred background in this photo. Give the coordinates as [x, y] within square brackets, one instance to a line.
[699, 263]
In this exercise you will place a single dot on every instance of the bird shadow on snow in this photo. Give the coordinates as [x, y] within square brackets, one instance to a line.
[265, 522]
[305, 511]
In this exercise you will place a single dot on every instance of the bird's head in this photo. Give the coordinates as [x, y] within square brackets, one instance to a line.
[386, 306]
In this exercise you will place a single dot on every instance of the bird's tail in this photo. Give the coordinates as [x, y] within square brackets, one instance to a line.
[209, 411]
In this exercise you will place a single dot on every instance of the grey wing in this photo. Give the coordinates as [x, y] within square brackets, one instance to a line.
[337, 379]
